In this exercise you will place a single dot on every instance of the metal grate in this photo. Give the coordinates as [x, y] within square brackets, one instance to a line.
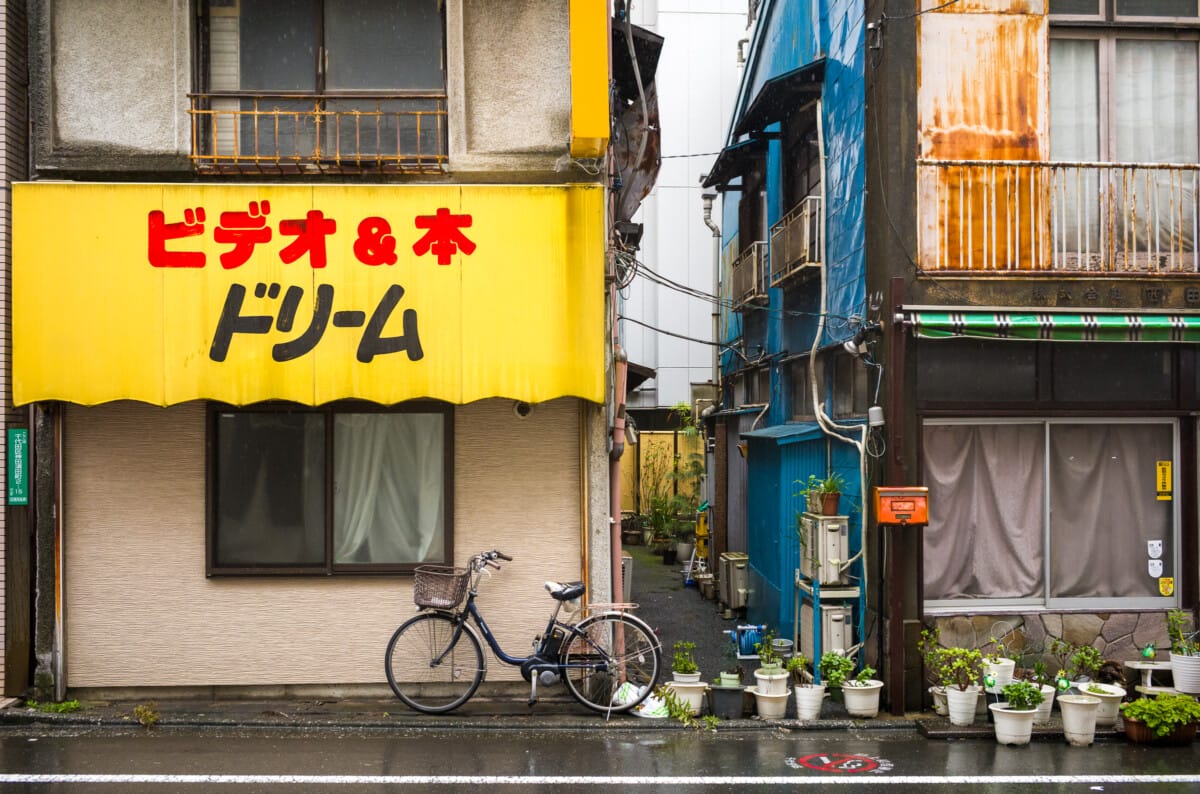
[303, 133]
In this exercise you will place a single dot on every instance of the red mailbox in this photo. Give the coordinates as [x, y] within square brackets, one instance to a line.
[899, 506]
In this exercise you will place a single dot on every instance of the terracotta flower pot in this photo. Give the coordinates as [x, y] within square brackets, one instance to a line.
[829, 503]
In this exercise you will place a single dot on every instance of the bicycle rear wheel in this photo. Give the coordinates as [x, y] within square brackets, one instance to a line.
[612, 650]
[425, 671]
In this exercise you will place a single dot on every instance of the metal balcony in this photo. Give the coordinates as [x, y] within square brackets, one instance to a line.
[748, 276]
[796, 241]
[1013, 217]
[348, 132]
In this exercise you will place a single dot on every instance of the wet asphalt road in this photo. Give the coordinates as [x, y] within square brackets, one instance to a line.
[517, 760]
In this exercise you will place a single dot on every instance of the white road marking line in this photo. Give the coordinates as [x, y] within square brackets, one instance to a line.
[583, 780]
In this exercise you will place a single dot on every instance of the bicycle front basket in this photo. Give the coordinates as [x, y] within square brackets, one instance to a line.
[439, 586]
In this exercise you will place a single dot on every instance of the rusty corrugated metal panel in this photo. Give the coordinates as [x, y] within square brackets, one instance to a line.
[982, 87]
[982, 95]
[1029, 7]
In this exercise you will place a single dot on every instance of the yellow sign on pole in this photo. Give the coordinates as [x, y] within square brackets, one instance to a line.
[308, 293]
[1164, 480]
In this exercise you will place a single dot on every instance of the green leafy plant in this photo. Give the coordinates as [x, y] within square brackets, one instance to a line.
[1039, 674]
[958, 667]
[767, 657]
[1163, 713]
[730, 663]
[1183, 643]
[1022, 695]
[678, 710]
[796, 666]
[65, 707]
[709, 722]
[1096, 689]
[930, 648]
[683, 658]
[999, 650]
[834, 483]
[835, 668]
[863, 678]
[146, 714]
[1085, 660]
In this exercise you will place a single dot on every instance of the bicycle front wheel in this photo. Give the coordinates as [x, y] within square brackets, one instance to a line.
[609, 652]
[431, 669]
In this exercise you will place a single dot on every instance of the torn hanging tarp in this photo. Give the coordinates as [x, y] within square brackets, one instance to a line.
[635, 108]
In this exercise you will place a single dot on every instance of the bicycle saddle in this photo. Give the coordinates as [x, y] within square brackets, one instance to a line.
[565, 591]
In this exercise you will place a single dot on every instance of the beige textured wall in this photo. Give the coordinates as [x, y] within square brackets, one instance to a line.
[141, 613]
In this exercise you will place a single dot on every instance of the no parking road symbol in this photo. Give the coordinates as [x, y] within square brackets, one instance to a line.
[841, 763]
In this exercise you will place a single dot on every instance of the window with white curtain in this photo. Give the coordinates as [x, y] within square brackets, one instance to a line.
[1130, 98]
[1050, 513]
[329, 491]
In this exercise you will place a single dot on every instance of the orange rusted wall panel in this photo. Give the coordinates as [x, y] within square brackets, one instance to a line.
[1035, 7]
[982, 86]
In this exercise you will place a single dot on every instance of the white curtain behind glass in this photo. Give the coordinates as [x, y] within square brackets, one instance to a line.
[1104, 507]
[986, 486]
[388, 488]
[1075, 137]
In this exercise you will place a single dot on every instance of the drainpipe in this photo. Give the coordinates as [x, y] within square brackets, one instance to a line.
[716, 266]
[621, 368]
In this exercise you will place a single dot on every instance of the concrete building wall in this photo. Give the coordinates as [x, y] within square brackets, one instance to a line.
[697, 83]
[140, 612]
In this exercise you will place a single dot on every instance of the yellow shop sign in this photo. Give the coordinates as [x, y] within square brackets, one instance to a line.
[243, 293]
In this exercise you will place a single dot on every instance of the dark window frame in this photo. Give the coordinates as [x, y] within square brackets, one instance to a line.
[328, 412]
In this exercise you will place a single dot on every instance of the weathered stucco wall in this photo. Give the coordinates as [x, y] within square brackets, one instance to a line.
[140, 612]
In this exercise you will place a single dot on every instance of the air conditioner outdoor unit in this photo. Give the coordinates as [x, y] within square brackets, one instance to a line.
[837, 630]
[825, 544]
[732, 568]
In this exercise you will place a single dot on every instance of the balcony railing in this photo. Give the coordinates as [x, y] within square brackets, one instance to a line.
[748, 276]
[1037, 217]
[310, 133]
[796, 241]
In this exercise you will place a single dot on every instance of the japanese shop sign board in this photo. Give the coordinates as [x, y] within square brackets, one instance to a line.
[242, 293]
[18, 466]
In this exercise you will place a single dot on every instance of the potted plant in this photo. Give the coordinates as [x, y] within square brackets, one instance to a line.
[1079, 718]
[809, 695]
[683, 662]
[959, 670]
[1163, 719]
[931, 650]
[861, 694]
[731, 672]
[1014, 717]
[770, 677]
[812, 495]
[998, 666]
[835, 668]
[1039, 676]
[1110, 697]
[1185, 653]
[830, 491]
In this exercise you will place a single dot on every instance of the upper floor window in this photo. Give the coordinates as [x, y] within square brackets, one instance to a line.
[316, 85]
[1131, 10]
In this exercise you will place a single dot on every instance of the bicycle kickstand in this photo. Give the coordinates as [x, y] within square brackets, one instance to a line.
[533, 689]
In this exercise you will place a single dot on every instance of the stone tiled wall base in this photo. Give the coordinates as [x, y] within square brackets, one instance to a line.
[1119, 636]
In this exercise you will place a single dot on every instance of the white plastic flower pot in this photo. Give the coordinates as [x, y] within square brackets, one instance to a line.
[1002, 671]
[961, 704]
[1110, 697]
[771, 683]
[686, 678]
[809, 700]
[1043, 709]
[1079, 718]
[862, 700]
[939, 701]
[1012, 726]
[691, 695]
[770, 706]
[1185, 674]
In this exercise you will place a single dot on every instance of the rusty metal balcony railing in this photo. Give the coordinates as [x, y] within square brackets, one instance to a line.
[796, 241]
[347, 132]
[748, 276]
[1054, 218]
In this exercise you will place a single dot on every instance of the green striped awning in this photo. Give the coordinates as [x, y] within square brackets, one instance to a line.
[1054, 326]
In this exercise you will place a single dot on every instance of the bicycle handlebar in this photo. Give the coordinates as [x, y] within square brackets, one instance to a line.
[489, 558]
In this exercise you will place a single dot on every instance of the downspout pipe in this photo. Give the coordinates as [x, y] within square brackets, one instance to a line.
[707, 198]
[621, 369]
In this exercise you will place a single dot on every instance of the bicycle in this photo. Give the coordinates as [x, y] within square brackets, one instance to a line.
[610, 661]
